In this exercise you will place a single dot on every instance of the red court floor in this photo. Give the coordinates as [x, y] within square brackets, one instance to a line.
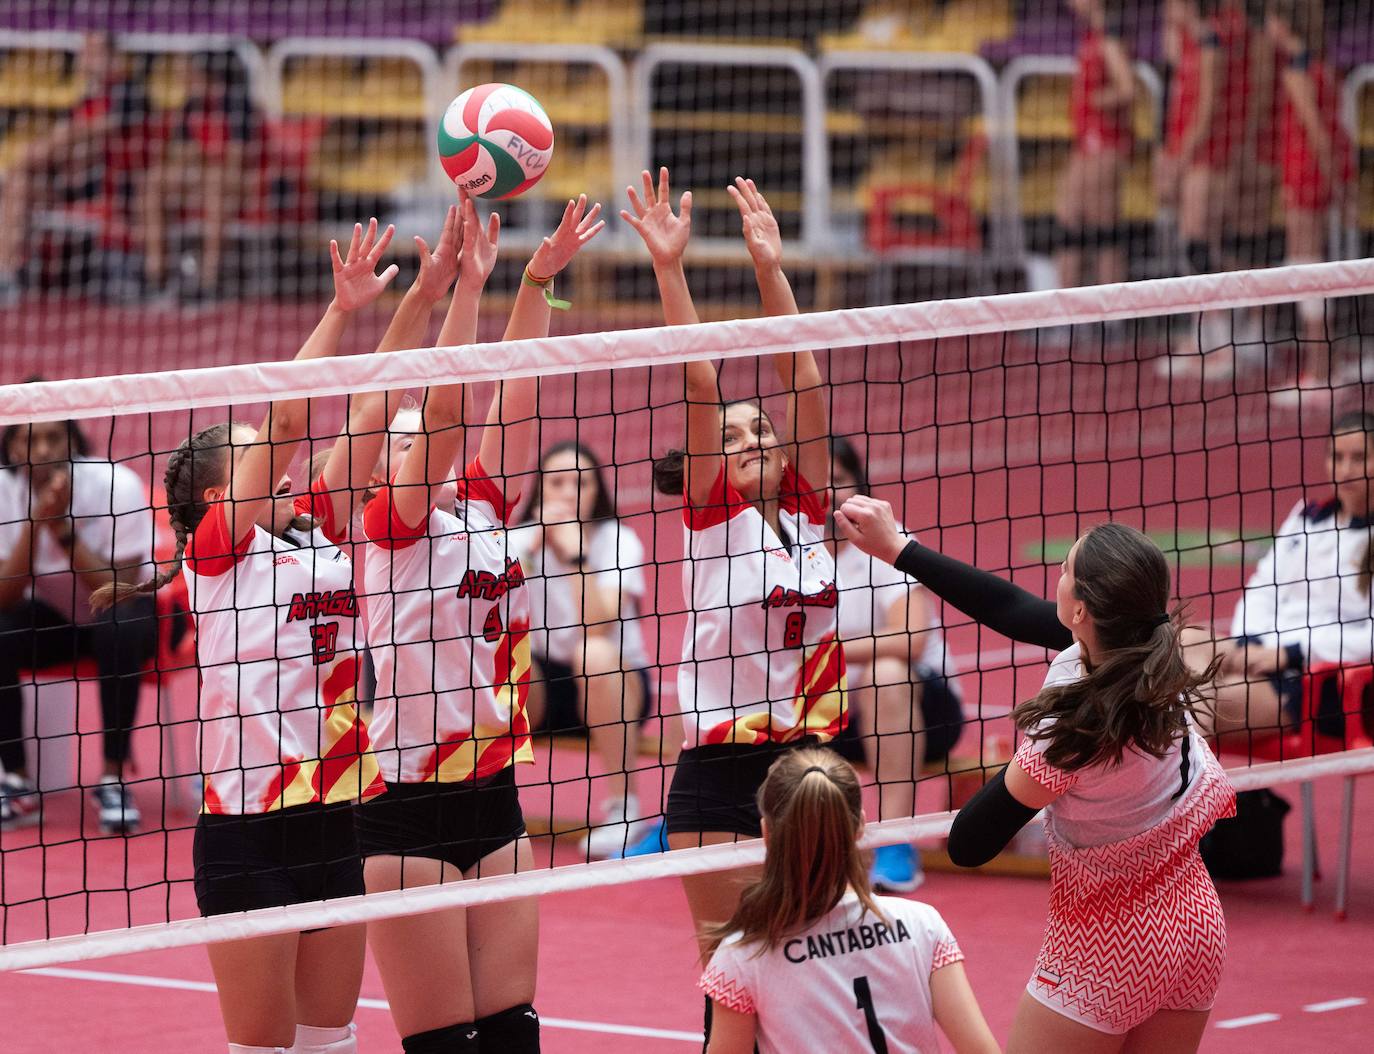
[616, 971]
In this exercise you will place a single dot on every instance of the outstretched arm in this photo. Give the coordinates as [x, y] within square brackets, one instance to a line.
[356, 284]
[665, 236]
[808, 420]
[990, 601]
[259, 467]
[508, 438]
[469, 251]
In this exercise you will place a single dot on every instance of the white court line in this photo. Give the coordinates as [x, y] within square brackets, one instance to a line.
[145, 981]
[1334, 1004]
[1242, 1022]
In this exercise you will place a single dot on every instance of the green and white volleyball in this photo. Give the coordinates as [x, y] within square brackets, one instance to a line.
[495, 141]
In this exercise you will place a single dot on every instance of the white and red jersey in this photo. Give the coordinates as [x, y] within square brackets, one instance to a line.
[1135, 925]
[1111, 800]
[843, 977]
[276, 638]
[448, 619]
[760, 661]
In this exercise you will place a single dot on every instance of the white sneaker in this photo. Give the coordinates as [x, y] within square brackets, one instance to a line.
[615, 830]
[116, 807]
[20, 802]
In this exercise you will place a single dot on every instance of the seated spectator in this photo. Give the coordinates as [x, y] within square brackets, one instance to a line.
[585, 570]
[1307, 602]
[198, 163]
[98, 146]
[70, 523]
[901, 699]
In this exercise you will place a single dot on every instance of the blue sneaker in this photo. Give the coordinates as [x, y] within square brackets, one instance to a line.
[655, 840]
[896, 869]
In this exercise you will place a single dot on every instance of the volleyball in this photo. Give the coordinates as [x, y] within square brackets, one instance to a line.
[495, 141]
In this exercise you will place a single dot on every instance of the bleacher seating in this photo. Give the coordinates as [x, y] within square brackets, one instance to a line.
[353, 126]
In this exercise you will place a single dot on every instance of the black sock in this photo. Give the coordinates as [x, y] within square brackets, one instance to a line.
[514, 1030]
[451, 1039]
[706, 1026]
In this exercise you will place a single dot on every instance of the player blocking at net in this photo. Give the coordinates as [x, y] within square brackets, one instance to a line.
[284, 753]
[761, 671]
[448, 625]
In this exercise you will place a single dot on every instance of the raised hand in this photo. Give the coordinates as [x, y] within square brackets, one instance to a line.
[356, 283]
[578, 226]
[439, 268]
[761, 234]
[664, 234]
[478, 257]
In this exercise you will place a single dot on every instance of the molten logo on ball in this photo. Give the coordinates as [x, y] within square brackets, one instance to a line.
[495, 141]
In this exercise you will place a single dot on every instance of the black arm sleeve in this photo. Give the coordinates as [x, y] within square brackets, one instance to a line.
[986, 825]
[991, 601]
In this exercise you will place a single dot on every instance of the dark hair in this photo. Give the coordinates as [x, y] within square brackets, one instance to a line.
[1139, 690]
[1359, 421]
[76, 439]
[670, 469]
[603, 508]
[813, 804]
[199, 463]
[846, 455]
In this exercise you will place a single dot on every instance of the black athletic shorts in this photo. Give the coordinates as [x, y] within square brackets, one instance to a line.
[458, 823]
[942, 712]
[715, 787]
[266, 860]
[560, 695]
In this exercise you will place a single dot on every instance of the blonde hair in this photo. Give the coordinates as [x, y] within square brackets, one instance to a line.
[813, 806]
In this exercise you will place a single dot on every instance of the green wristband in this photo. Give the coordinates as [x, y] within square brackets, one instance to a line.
[547, 286]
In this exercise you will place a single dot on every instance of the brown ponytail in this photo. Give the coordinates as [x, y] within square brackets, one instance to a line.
[813, 806]
[199, 463]
[1139, 690]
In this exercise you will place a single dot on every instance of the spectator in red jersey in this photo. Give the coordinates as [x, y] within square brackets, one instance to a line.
[102, 137]
[1089, 207]
[199, 158]
[1249, 225]
[1317, 162]
[1204, 41]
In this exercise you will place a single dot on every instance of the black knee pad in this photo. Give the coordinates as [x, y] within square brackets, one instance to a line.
[451, 1039]
[1200, 258]
[511, 1031]
[1074, 239]
[1107, 237]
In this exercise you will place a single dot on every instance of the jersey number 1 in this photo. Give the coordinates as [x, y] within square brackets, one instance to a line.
[864, 995]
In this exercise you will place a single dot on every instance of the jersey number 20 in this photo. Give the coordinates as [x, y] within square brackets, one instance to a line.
[325, 638]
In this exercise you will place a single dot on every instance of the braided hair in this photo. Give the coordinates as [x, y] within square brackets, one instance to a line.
[198, 463]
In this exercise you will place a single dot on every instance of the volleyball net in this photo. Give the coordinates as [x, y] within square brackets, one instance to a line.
[999, 427]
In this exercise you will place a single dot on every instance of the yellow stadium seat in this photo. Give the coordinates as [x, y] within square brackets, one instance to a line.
[336, 87]
[167, 82]
[887, 25]
[614, 23]
[38, 80]
[385, 163]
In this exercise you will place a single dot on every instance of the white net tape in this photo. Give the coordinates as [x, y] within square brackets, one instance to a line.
[744, 338]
